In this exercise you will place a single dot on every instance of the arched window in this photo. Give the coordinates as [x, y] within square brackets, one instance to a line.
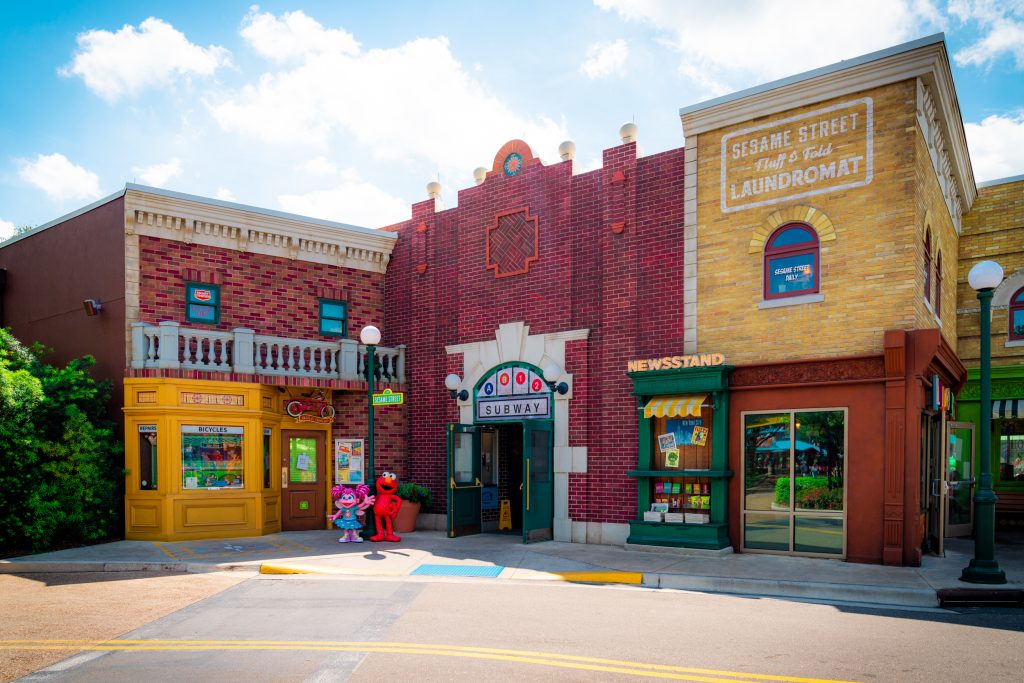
[1017, 315]
[791, 262]
[928, 265]
[938, 285]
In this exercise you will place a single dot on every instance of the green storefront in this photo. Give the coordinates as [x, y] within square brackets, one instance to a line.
[682, 469]
[1007, 454]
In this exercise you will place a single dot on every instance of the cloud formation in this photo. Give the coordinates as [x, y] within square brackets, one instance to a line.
[58, 178]
[116, 64]
[997, 146]
[605, 59]
[352, 201]
[7, 229]
[158, 175]
[1002, 28]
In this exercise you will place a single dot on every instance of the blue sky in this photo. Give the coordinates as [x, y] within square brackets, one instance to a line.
[345, 110]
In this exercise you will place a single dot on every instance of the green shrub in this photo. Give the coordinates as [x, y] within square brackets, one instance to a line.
[60, 474]
[414, 493]
[803, 484]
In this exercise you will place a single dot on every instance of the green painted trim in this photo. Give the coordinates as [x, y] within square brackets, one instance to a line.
[657, 474]
[344, 318]
[216, 307]
[1007, 382]
[701, 536]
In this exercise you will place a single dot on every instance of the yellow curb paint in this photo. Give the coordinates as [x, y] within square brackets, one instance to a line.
[270, 568]
[634, 578]
[520, 656]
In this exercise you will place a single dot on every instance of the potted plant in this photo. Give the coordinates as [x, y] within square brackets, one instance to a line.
[414, 497]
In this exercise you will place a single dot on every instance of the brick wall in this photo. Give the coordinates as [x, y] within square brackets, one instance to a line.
[270, 295]
[390, 431]
[623, 284]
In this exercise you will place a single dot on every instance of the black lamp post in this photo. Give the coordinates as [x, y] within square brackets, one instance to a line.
[985, 277]
[370, 336]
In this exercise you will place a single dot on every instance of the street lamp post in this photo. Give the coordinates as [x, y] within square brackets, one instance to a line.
[985, 277]
[370, 337]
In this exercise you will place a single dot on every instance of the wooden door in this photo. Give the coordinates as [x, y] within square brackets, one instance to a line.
[304, 480]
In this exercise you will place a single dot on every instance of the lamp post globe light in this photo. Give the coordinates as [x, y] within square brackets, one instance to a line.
[370, 337]
[983, 278]
[452, 383]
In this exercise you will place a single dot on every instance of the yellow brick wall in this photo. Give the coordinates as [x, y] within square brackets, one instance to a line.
[932, 211]
[871, 273]
[993, 230]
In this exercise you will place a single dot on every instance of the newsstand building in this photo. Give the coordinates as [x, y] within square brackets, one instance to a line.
[745, 344]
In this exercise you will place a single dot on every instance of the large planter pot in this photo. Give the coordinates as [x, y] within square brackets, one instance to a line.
[405, 520]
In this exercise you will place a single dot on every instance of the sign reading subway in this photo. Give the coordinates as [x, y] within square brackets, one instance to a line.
[513, 392]
[798, 156]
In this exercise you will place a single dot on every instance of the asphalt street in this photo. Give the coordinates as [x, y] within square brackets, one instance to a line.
[330, 628]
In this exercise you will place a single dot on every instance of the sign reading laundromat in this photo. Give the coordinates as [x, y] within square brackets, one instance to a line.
[513, 393]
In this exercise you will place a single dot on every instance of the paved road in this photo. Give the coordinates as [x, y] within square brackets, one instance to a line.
[321, 628]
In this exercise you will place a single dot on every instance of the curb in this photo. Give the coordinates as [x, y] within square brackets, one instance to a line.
[87, 566]
[276, 568]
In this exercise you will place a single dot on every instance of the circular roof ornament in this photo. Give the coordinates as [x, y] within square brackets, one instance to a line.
[513, 164]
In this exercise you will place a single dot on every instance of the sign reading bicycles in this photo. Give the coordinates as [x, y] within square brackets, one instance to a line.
[314, 408]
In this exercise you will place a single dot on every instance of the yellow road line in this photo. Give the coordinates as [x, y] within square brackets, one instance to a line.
[530, 657]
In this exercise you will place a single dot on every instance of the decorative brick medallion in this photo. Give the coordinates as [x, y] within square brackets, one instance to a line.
[512, 242]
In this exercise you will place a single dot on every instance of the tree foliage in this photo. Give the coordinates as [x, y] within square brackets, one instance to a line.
[60, 466]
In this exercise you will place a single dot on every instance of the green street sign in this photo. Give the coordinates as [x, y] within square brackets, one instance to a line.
[388, 398]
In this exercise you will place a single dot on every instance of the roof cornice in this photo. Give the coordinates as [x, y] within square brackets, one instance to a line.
[925, 58]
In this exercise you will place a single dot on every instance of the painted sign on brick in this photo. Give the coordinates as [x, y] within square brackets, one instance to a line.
[798, 156]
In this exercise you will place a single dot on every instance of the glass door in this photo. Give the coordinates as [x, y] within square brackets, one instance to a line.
[538, 485]
[959, 489]
[463, 480]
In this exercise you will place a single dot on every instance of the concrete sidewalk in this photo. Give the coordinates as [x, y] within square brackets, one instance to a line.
[432, 553]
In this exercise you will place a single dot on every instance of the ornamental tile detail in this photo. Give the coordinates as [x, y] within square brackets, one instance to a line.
[512, 242]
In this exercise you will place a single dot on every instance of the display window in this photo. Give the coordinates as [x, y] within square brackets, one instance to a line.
[682, 449]
[212, 457]
[147, 458]
[794, 482]
[1011, 451]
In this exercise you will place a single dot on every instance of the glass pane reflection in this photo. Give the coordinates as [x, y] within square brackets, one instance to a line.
[818, 535]
[766, 454]
[767, 532]
[818, 460]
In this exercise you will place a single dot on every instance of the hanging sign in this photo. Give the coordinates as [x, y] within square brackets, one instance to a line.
[515, 392]
[389, 398]
[697, 360]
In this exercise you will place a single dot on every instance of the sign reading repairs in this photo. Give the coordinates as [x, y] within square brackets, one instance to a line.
[699, 360]
[821, 151]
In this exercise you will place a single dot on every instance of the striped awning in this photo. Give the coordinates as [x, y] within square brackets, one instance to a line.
[1010, 407]
[674, 406]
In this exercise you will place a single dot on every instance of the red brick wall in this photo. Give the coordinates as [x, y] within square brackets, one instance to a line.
[267, 294]
[390, 431]
[625, 287]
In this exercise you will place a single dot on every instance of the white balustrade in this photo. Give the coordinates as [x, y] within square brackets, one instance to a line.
[170, 346]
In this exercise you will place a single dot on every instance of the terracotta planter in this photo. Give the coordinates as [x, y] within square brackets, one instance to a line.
[405, 520]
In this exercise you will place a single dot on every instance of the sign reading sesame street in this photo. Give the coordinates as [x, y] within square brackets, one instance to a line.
[798, 156]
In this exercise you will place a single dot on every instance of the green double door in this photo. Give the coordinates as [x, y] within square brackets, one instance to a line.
[537, 490]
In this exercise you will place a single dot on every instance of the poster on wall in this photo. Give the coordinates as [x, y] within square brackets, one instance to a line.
[700, 436]
[682, 429]
[667, 442]
[348, 461]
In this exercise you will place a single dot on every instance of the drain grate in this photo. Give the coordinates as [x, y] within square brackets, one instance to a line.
[456, 570]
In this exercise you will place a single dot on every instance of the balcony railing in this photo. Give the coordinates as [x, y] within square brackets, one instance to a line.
[169, 346]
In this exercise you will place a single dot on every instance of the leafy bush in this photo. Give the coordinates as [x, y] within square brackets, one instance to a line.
[60, 473]
[803, 485]
[414, 493]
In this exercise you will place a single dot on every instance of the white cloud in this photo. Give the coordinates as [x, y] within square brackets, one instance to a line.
[320, 165]
[158, 175]
[726, 46]
[122, 63]
[294, 35]
[997, 146]
[226, 195]
[352, 201]
[60, 179]
[605, 59]
[1002, 28]
[410, 103]
[7, 229]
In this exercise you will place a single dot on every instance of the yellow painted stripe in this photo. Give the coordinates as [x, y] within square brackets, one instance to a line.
[634, 578]
[543, 658]
[273, 568]
[674, 406]
[166, 552]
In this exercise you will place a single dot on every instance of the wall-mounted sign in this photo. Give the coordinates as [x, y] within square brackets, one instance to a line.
[388, 398]
[147, 429]
[515, 392]
[697, 360]
[194, 398]
[348, 461]
[316, 408]
[798, 156]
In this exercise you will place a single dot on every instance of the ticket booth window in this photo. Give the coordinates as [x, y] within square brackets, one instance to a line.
[147, 458]
[211, 457]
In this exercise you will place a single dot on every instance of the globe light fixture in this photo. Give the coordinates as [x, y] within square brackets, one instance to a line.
[452, 382]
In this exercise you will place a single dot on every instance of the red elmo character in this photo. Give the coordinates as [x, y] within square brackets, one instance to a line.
[386, 507]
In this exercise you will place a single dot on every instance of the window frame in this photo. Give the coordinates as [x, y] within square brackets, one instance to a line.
[320, 317]
[1012, 307]
[771, 253]
[928, 265]
[189, 287]
[938, 285]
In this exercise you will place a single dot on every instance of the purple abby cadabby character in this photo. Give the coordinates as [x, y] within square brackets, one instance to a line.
[351, 506]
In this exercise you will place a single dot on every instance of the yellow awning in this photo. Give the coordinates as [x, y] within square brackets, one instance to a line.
[674, 406]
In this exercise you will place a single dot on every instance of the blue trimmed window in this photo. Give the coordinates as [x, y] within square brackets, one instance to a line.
[791, 262]
[202, 303]
[333, 318]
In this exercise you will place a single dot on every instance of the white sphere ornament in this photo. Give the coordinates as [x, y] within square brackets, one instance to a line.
[628, 132]
[433, 189]
[552, 373]
[479, 175]
[985, 275]
[567, 150]
[452, 382]
[369, 335]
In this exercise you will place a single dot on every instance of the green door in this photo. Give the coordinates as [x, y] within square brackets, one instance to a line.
[538, 481]
[959, 487]
[463, 480]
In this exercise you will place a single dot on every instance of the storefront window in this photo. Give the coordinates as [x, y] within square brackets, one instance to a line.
[682, 444]
[794, 473]
[267, 433]
[211, 457]
[1011, 451]
[791, 262]
[147, 457]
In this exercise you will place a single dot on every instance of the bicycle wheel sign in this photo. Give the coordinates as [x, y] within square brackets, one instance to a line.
[316, 408]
